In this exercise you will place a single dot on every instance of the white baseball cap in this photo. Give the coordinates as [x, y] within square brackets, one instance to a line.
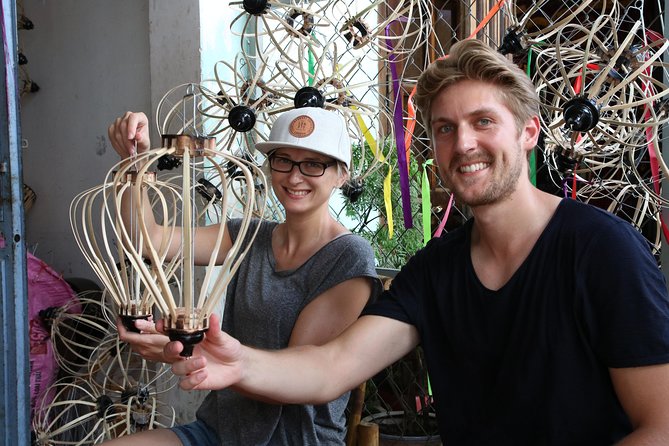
[310, 128]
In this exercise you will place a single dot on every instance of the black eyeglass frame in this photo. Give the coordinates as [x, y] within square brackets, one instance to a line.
[272, 157]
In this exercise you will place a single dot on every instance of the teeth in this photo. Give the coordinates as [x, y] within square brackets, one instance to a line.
[473, 167]
[297, 192]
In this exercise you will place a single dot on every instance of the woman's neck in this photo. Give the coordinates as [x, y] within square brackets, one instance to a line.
[296, 240]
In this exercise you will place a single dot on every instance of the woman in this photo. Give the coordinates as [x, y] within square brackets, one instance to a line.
[302, 282]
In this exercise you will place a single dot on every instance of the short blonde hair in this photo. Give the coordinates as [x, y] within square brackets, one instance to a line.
[473, 60]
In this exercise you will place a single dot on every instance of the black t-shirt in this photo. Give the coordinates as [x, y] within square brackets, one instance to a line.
[528, 364]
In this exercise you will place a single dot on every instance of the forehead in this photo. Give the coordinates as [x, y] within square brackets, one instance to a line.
[466, 98]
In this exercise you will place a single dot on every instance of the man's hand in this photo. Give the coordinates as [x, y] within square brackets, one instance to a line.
[216, 362]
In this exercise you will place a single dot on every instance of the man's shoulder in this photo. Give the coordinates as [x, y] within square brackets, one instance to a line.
[583, 215]
[590, 227]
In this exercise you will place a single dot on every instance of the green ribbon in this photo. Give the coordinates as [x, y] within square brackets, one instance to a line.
[533, 155]
[427, 204]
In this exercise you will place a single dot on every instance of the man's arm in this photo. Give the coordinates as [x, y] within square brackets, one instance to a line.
[644, 394]
[304, 374]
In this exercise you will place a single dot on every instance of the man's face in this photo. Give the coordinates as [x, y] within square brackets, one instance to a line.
[478, 148]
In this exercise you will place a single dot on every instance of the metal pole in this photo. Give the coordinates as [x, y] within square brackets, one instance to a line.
[14, 373]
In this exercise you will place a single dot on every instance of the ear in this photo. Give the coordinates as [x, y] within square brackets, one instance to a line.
[531, 133]
[342, 179]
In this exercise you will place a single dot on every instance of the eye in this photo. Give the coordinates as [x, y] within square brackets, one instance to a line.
[485, 122]
[444, 129]
[281, 161]
[313, 164]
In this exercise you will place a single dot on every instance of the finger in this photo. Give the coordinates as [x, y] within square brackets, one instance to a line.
[193, 381]
[130, 131]
[146, 326]
[136, 129]
[172, 350]
[188, 366]
[120, 328]
[116, 133]
[128, 336]
[113, 133]
[214, 334]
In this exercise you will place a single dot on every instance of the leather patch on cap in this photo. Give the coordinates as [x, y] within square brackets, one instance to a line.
[302, 126]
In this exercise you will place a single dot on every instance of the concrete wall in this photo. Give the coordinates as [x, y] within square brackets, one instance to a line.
[93, 60]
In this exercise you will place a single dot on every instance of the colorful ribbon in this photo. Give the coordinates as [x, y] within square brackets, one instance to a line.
[411, 118]
[426, 204]
[373, 146]
[402, 162]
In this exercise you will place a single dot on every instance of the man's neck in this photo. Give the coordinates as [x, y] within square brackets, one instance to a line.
[504, 233]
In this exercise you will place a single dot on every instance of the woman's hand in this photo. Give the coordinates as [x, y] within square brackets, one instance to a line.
[129, 131]
[216, 362]
[149, 342]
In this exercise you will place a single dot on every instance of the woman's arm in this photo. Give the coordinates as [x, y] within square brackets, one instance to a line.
[129, 135]
[329, 314]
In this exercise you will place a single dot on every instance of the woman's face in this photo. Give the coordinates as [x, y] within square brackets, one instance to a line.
[298, 192]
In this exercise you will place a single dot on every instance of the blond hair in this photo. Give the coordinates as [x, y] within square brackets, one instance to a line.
[473, 60]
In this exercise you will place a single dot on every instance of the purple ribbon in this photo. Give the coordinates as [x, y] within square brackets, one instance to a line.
[399, 132]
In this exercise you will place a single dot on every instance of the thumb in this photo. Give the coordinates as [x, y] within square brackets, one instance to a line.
[214, 334]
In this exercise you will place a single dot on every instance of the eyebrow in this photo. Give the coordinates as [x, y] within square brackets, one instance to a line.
[474, 113]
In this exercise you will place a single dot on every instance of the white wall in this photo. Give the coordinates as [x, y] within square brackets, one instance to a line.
[91, 60]
[94, 60]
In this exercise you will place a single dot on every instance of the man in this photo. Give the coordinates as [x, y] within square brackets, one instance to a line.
[544, 321]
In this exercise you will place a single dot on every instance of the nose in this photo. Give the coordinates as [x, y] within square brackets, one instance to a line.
[295, 175]
[465, 139]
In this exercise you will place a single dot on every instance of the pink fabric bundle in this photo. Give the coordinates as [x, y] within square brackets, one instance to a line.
[46, 289]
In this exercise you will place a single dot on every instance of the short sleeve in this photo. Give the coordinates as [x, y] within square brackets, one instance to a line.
[623, 297]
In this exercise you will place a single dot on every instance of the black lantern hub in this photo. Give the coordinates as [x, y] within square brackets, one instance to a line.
[187, 338]
[256, 7]
[357, 34]
[580, 114]
[103, 404]
[307, 22]
[242, 118]
[512, 43]
[48, 315]
[565, 163]
[208, 191]
[141, 393]
[352, 189]
[309, 97]
[168, 162]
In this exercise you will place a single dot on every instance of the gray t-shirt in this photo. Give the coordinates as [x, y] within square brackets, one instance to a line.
[261, 308]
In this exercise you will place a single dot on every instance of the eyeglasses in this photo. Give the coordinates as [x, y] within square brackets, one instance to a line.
[307, 168]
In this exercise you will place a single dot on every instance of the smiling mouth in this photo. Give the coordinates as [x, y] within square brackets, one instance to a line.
[299, 193]
[470, 168]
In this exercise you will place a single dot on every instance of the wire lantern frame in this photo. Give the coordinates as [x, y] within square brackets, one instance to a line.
[78, 414]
